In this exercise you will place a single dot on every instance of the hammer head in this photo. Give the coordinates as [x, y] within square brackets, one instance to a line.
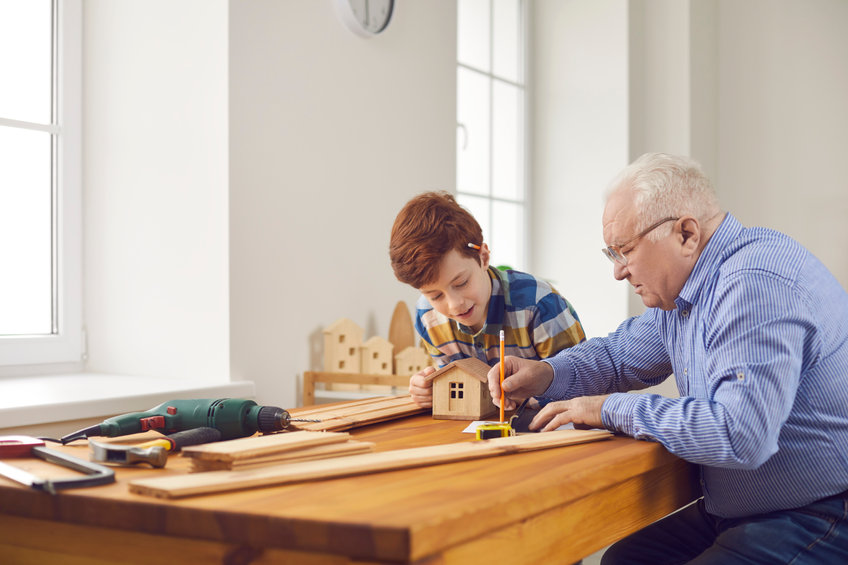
[155, 456]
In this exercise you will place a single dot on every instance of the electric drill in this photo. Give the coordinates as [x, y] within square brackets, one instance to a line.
[233, 417]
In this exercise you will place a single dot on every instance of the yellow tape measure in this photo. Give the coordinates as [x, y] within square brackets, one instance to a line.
[489, 431]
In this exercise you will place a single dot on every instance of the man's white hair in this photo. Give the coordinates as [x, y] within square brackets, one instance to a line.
[667, 186]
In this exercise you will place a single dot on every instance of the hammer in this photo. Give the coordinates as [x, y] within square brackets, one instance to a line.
[155, 452]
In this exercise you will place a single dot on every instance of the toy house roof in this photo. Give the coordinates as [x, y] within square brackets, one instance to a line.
[410, 351]
[472, 366]
[342, 325]
[377, 341]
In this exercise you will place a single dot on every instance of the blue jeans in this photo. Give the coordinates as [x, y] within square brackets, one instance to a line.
[817, 533]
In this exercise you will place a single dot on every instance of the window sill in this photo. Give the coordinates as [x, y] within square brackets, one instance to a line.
[41, 400]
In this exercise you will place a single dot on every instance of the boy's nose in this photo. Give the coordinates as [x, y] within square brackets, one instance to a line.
[455, 303]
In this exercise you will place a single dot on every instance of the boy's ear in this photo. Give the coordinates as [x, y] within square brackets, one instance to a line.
[484, 256]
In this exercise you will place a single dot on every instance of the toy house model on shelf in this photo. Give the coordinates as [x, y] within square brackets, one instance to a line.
[342, 342]
[376, 365]
[461, 391]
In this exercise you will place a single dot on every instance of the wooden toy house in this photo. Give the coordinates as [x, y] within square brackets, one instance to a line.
[461, 391]
[342, 341]
[376, 356]
[411, 360]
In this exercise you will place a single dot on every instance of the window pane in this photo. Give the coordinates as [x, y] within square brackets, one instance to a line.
[479, 208]
[473, 33]
[507, 52]
[472, 148]
[506, 243]
[25, 232]
[25, 60]
[507, 142]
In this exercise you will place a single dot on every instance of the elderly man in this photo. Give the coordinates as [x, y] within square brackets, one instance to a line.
[755, 330]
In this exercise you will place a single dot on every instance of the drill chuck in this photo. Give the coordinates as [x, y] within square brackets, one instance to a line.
[272, 419]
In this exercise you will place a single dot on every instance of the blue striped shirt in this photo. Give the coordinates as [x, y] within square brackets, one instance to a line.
[758, 345]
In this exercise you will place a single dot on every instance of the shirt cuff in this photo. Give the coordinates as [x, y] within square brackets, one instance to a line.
[617, 412]
[563, 375]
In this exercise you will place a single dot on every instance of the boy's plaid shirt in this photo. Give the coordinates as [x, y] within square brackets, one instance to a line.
[537, 322]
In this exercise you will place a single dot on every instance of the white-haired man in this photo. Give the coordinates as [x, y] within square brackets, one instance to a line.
[754, 329]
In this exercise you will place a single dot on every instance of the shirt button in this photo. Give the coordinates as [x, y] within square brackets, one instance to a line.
[740, 375]
[686, 371]
[685, 313]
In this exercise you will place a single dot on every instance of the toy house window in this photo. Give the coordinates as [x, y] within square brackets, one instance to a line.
[375, 355]
[456, 390]
[341, 338]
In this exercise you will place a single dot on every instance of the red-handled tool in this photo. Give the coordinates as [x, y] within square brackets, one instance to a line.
[23, 446]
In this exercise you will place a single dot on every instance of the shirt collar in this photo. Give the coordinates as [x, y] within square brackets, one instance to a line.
[727, 231]
[497, 306]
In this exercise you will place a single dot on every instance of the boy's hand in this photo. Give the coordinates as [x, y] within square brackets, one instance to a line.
[522, 378]
[421, 388]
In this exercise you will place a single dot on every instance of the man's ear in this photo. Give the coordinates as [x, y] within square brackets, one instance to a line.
[690, 234]
[484, 256]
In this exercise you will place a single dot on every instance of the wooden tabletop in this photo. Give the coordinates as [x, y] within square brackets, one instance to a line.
[568, 501]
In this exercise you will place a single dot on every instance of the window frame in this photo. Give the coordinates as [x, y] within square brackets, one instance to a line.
[522, 83]
[65, 344]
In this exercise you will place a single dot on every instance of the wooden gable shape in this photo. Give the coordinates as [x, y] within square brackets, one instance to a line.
[461, 391]
[376, 358]
[342, 340]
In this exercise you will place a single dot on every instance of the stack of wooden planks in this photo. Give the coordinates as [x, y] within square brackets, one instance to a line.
[271, 449]
[355, 413]
[178, 486]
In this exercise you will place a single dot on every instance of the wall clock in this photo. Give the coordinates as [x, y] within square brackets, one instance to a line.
[366, 18]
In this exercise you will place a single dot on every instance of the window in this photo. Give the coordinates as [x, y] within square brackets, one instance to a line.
[490, 77]
[40, 313]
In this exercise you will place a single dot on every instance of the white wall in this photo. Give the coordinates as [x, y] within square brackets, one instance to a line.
[783, 120]
[155, 188]
[330, 134]
[579, 95]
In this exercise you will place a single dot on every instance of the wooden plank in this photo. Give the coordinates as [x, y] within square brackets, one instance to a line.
[356, 413]
[351, 447]
[256, 446]
[219, 481]
[308, 388]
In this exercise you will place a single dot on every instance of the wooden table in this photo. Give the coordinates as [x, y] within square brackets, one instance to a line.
[557, 505]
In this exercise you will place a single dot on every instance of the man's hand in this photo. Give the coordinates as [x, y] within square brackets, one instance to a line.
[421, 388]
[522, 378]
[583, 412]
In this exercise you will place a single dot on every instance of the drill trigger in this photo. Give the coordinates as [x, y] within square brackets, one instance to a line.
[152, 423]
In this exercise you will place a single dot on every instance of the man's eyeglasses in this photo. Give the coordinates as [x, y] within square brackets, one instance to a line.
[613, 252]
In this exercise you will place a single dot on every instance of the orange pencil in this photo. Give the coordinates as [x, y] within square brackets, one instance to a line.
[502, 375]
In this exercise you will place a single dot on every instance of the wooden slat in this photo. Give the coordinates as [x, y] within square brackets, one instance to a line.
[311, 378]
[351, 447]
[219, 481]
[256, 446]
[357, 413]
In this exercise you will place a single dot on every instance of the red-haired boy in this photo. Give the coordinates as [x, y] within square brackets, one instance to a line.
[437, 247]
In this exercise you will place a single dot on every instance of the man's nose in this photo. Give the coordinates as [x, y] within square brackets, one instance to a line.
[619, 271]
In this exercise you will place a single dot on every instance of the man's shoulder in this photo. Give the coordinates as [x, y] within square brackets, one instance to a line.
[765, 251]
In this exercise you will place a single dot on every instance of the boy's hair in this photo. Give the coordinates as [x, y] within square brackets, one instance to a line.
[427, 228]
